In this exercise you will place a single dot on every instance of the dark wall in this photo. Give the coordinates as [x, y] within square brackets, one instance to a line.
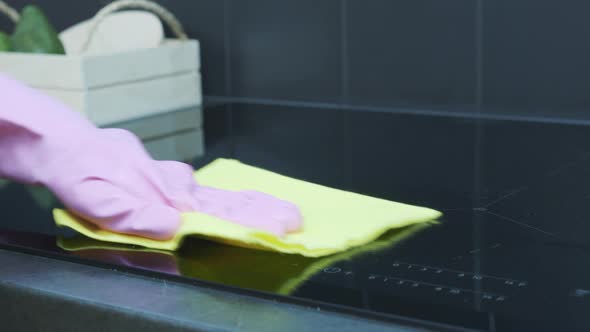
[529, 56]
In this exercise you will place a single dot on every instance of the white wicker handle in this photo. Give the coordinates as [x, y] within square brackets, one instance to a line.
[10, 12]
[163, 13]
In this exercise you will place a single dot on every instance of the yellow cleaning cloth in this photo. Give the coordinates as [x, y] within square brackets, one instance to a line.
[230, 265]
[333, 220]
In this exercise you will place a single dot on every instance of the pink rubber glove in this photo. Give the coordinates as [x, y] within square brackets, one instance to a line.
[105, 176]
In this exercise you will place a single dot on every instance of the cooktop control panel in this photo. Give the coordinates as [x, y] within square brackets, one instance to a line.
[434, 282]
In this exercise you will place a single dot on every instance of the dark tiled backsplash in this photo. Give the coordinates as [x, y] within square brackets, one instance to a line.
[285, 49]
[494, 55]
[536, 55]
[419, 52]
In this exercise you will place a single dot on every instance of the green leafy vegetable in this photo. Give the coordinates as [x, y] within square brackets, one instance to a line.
[35, 34]
[5, 44]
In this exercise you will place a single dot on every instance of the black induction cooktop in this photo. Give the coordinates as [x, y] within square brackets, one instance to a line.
[510, 254]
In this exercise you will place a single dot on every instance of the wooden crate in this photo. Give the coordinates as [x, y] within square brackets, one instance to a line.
[111, 88]
[175, 135]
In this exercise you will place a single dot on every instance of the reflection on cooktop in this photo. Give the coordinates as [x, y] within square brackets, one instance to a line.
[240, 267]
[509, 254]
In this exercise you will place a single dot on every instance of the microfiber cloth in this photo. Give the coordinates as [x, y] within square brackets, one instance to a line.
[231, 265]
[333, 220]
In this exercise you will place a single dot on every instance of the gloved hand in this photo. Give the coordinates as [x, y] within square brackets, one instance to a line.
[106, 177]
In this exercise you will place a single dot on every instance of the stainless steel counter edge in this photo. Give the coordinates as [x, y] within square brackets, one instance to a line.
[43, 294]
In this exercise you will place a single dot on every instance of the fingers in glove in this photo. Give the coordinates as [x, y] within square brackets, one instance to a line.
[179, 184]
[114, 209]
[250, 209]
[285, 212]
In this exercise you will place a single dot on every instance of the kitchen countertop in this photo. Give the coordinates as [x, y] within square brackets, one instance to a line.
[42, 294]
